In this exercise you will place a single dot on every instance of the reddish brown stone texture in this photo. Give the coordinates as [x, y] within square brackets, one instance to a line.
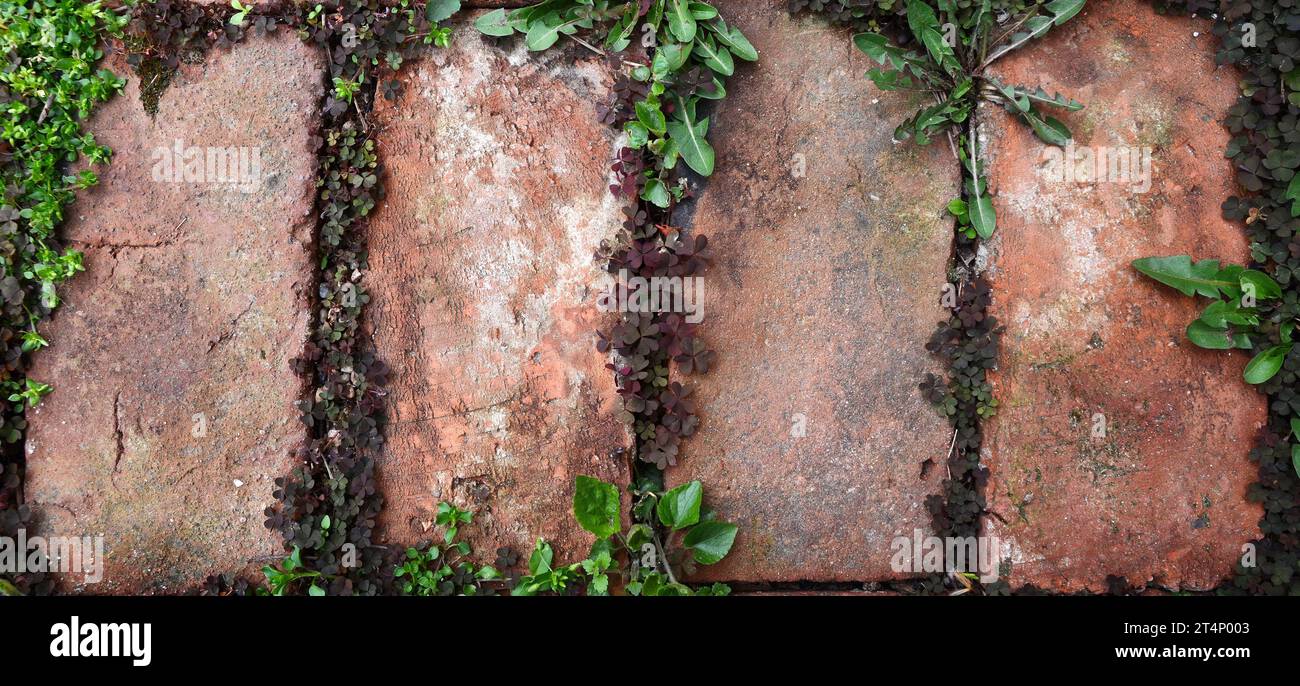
[824, 290]
[465, 4]
[193, 301]
[818, 594]
[482, 281]
[1162, 496]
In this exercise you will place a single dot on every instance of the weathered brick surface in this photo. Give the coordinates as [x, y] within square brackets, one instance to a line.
[481, 278]
[193, 301]
[831, 248]
[1162, 496]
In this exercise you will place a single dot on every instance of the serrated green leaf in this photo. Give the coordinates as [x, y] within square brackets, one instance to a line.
[891, 80]
[596, 506]
[1178, 271]
[925, 27]
[440, 10]
[494, 23]
[1035, 27]
[680, 507]
[1040, 95]
[882, 52]
[709, 542]
[1048, 129]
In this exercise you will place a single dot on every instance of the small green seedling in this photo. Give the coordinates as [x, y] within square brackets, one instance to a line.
[241, 14]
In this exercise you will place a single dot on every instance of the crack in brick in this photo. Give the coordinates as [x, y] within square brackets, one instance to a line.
[118, 439]
[114, 246]
[459, 412]
[234, 327]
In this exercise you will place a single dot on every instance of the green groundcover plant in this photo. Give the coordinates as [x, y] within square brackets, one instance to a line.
[50, 86]
[695, 50]
[1237, 297]
[1244, 313]
[952, 46]
[639, 560]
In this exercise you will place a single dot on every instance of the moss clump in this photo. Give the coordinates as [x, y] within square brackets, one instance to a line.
[154, 78]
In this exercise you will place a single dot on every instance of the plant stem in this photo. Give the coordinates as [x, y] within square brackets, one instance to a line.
[664, 557]
[588, 46]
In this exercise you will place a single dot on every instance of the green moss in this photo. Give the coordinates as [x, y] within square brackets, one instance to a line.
[154, 78]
